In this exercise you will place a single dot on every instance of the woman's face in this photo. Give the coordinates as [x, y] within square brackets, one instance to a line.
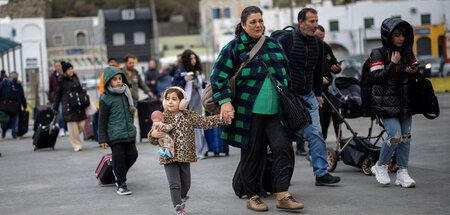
[193, 59]
[397, 38]
[254, 26]
[69, 72]
[173, 102]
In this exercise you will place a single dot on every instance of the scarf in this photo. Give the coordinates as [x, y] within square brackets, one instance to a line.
[123, 89]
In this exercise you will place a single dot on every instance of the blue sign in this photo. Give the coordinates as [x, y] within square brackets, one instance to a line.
[422, 31]
[31, 62]
[75, 51]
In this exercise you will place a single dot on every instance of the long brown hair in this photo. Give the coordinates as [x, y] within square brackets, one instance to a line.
[186, 61]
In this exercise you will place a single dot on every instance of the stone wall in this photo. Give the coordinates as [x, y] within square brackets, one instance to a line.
[25, 8]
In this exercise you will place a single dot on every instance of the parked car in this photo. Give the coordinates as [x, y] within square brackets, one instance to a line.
[430, 66]
[446, 70]
[91, 82]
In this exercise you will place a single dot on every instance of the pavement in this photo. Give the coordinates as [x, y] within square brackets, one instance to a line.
[63, 181]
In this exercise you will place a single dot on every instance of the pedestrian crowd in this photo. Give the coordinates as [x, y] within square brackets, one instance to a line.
[249, 117]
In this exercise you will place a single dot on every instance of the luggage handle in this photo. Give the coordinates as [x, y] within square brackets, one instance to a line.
[52, 124]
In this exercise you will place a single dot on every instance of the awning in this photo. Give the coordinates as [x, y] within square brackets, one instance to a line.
[6, 44]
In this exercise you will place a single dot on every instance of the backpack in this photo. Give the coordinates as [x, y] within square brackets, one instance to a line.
[288, 31]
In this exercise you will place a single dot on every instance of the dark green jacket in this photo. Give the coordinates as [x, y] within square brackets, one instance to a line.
[115, 119]
[248, 82]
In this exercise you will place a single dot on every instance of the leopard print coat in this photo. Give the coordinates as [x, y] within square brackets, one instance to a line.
[183, 134]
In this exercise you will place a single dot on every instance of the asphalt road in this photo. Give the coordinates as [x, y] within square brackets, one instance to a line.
[63, 182]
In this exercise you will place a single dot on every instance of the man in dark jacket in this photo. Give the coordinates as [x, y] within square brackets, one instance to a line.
[53, 82]
[306, 69]
[151, 77]
[330, 65]
[11, 89]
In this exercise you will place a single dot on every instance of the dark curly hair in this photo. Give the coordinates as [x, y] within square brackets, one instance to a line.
[186, 61]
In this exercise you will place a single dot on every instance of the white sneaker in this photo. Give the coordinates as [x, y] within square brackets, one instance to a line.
[381, 173]
[77, 149]
[403, 179]
[61, 133]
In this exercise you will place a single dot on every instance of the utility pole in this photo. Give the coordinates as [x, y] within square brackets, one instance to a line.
[292, 12]
[155, 30]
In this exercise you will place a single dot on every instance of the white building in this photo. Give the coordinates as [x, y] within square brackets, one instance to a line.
[31, 59]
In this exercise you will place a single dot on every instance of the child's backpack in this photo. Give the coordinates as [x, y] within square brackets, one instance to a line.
[288, 32]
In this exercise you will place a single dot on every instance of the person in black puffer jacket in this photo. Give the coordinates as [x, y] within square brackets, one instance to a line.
[75, 118]
[393, 68]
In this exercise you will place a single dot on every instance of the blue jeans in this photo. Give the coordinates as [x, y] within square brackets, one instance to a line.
[397, 128]
[11, 121]
[317, 146]
[61, 123]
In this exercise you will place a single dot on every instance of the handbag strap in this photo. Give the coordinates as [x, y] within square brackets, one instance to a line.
[270, 75]
[253, 52]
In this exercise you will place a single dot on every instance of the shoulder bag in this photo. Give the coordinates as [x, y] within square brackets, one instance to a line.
[207, 94]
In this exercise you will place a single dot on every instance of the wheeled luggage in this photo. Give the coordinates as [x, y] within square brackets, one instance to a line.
[145, 109]
[215, 143]
[46, 135]
[88, 132]
[104, 171]
[43, 115]
[24, 117]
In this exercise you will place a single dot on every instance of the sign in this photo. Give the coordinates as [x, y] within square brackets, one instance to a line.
[75, 51]
[422, 31]
[31, 62]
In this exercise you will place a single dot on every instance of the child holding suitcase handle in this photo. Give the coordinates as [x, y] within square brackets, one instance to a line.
[184, 121]
[116, 127]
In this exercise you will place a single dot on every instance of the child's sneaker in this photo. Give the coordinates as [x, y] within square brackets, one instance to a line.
[161, 152]
[403, 179]
[123, 190]
[180, 209]
[167, 153]
[181, 212]
[381, 173]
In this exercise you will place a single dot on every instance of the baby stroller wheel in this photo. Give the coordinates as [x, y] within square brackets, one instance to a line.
[366, 165]
[392, 165]
[332, 158]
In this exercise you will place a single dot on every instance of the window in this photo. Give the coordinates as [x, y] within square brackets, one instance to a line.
[81, 39]
[58, 40]
[334, 25]
[216, 13]
[426, 19]
[118, 39]
[178, 46]
[227, 13]
[368, 22]
[139, 38]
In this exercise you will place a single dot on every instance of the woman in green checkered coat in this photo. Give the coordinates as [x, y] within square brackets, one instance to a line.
[253, 113]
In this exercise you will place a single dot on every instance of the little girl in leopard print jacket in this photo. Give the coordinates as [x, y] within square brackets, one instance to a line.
[184, 121]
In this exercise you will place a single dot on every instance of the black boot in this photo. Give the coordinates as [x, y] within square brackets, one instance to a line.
[327, 179]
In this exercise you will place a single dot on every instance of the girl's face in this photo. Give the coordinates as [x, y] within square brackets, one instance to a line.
[254, 25]
[397, 38]
[116, 81]
[173, 102]
[193, 60]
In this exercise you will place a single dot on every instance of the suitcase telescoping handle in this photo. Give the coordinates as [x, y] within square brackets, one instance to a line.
[52, 124]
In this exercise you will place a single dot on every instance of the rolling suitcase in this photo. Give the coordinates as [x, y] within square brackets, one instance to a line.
[104, 172]
[43, 115]
[24, 117]
[145, 109]
[215, 143]
[88, 128]
[46, 135]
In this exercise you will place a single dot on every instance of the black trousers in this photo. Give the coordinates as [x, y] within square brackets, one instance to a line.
[327, 113]
[266, 130]
[123, 157]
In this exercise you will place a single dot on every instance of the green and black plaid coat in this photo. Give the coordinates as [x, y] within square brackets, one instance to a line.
[248, 82]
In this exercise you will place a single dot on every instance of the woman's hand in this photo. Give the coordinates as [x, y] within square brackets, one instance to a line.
[188, 77]
[395, 58]
[227, 112]
[103, 145]
[158, 134]
[412, 69]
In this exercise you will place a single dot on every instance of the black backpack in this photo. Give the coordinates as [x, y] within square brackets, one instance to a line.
[288, 31]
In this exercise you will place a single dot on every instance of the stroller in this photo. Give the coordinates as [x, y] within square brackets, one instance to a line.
[358, 151]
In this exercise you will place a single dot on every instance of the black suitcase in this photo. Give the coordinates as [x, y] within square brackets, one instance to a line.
[45, 136]
[104, 172]
[43, 115]
[24, 117]
[145, 110]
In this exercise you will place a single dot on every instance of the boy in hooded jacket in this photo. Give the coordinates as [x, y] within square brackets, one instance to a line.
[116, 127]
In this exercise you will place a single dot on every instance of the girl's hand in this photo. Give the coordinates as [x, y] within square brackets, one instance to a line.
[157, 134]
[227, 112]
[395, 58]
[104, 145]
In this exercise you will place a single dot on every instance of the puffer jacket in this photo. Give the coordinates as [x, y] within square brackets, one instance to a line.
[65, 85]
[390, 92]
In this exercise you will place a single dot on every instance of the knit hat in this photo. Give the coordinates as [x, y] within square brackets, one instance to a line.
[65, 66]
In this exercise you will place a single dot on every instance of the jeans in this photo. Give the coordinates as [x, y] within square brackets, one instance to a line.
[11, 121]
[61, 123]
[397, 128]
[317, 146]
